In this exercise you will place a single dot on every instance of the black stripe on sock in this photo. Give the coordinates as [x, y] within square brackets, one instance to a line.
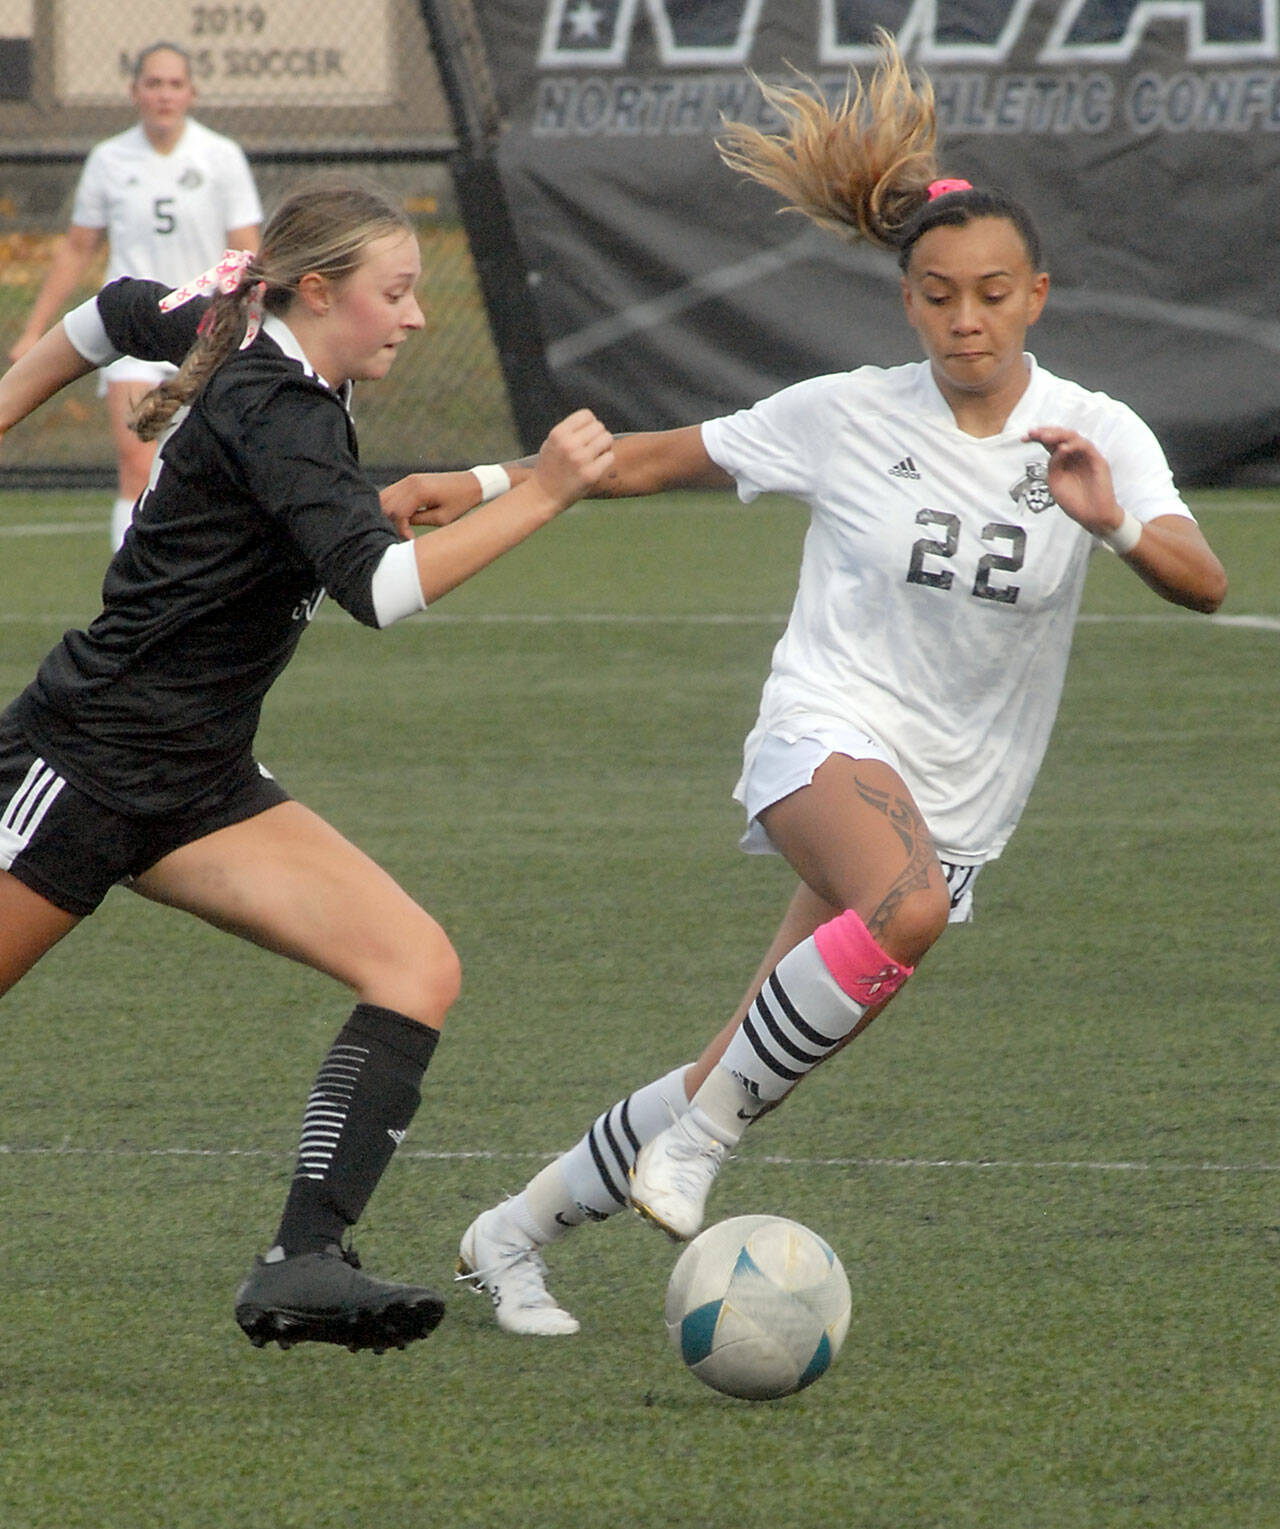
[824, 1042]
[784, 1042]
[623, 1159]
[765, 1055]
[605, 1177]
[624, 1120]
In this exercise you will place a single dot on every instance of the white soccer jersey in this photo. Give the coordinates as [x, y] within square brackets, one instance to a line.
[939, 583]
[166, 215]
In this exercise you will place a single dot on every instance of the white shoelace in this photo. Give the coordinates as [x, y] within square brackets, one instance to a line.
[522, 1271]
[690, 1159]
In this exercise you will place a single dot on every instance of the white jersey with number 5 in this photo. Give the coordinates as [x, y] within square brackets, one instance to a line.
[939, 583]
[166, 215]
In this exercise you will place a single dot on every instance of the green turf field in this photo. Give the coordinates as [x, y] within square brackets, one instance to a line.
[1052, 1173]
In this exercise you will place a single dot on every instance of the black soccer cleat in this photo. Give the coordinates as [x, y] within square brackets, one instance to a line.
[325, 1298]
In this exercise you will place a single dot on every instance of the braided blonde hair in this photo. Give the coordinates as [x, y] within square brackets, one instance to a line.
[862, 171]
[325, 225]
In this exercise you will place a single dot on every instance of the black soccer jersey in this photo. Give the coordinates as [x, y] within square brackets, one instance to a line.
[259, 506]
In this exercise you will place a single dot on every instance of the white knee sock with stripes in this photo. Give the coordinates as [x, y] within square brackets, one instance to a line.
[801, 1015]
[589, 1181]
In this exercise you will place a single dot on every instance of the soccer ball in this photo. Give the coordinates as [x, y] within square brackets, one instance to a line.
[758, 1306]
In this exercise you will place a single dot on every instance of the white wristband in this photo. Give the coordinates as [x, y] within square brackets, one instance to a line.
[494, 480]
[1125, 536]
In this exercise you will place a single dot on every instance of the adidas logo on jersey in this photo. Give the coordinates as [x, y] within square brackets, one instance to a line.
[904, 469]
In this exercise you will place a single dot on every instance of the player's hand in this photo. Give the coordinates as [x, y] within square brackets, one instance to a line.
[429, 499]
[574, 457]
[1079, 478]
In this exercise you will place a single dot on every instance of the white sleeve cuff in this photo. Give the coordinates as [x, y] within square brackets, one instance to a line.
[84, 328]
[396, 587]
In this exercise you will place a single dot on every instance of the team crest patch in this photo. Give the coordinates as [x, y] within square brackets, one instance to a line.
[191, 178]
[1032, 489]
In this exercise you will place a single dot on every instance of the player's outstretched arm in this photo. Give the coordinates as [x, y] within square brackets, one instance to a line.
[643, 463]
[573, 457]
[653, 460]
[50, 364]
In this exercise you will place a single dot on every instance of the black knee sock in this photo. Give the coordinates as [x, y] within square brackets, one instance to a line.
[364, 1097]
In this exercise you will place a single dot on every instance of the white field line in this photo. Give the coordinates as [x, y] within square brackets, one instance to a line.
[60, 527]
[1259, 623]
[67, 1148]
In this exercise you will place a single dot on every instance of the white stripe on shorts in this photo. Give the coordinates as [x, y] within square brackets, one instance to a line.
[960, 880]
[26, 809]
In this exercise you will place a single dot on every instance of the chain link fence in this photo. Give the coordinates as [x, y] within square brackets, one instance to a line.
[302, 85]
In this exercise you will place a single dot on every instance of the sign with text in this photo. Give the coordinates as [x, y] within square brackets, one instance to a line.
[1144, 137]
[267, 52]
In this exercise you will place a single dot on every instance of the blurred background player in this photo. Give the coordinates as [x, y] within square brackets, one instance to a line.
[166, 197]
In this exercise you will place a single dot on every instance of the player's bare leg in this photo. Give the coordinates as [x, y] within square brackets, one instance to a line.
[501, 1252]
[288, 881]
[860, 846]
[29, 926]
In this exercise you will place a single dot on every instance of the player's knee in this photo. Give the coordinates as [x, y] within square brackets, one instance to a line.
[440, 982]
[421, 980]
[917, 922]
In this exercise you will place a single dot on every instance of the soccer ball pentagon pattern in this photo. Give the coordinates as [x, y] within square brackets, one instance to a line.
[758, 1306]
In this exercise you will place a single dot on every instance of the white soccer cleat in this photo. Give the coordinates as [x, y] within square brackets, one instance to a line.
[673, 1176]
[497, 1259]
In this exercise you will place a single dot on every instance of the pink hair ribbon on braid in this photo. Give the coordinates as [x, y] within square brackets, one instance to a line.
[940, 188]
[226, 277]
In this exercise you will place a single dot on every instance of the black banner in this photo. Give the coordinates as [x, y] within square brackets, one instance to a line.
[1145, 139]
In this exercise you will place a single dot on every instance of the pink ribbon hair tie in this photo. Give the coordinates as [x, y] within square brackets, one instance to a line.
[940, 188]
[225, 277]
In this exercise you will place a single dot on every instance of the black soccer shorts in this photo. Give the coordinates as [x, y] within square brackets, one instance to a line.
[72, 849]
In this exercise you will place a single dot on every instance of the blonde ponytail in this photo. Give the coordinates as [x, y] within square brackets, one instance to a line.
[862, 171]
[220, 333]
